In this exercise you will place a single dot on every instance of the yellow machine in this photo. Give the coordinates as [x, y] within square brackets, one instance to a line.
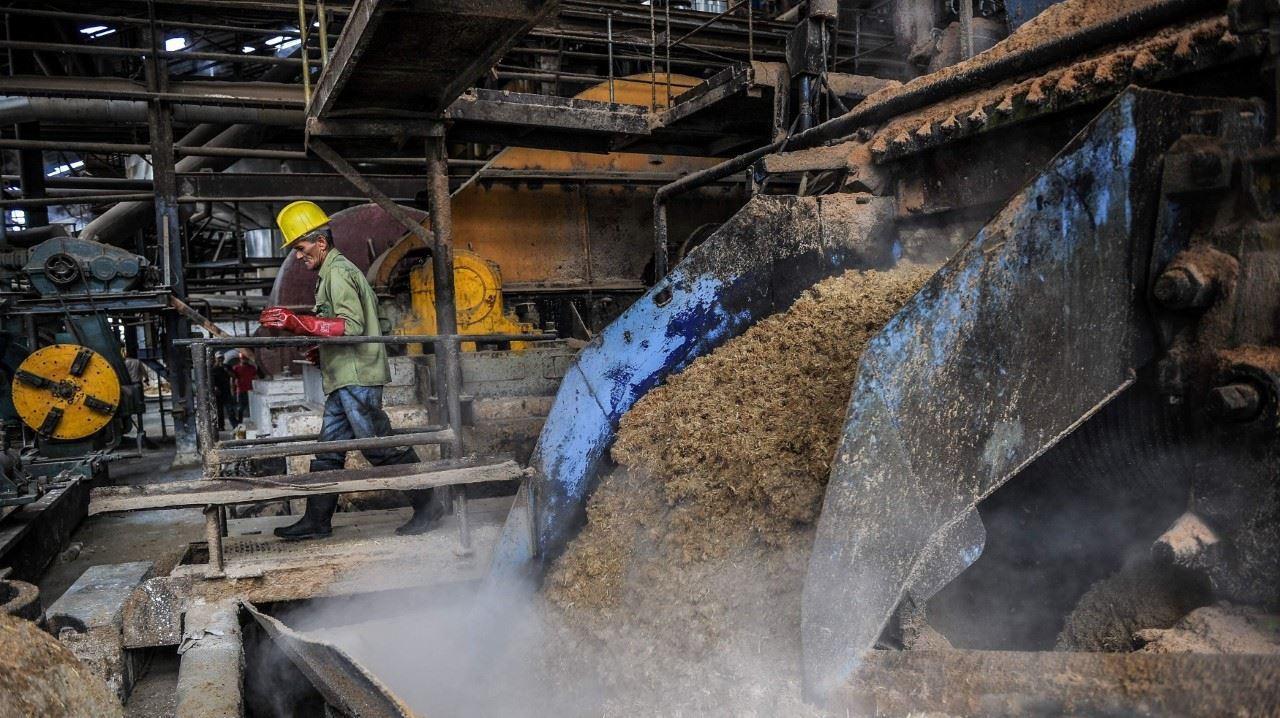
[66, 391]
[478, 292]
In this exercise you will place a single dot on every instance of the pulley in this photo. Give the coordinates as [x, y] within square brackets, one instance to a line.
[66, 391]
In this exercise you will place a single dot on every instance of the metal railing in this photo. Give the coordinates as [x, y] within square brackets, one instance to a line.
[216, 452]
[731, 7]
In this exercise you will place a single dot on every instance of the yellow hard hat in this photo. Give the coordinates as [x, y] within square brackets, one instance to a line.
[298, 218]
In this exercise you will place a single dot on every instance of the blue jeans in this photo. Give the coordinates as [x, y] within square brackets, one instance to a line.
[355, 412]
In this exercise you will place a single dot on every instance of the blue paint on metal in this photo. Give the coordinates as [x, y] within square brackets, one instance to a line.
[774, 255]
[1026, 331]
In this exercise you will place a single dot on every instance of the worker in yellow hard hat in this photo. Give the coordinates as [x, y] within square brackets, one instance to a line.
[353, 374]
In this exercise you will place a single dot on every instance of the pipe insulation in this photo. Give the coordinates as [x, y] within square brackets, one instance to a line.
[122, 220]
[15, 110]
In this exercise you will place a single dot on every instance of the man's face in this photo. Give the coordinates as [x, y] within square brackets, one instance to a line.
[310, 249]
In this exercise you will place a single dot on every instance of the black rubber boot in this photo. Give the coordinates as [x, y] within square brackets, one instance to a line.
[426, 513]
[315, 522]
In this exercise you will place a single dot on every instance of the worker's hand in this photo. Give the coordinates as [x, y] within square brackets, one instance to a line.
[312, 355]
[281, 318]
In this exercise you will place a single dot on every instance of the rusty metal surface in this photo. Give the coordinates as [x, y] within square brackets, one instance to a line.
[347, 688]
[1007, 683]
[416, 57]
[1026, 333]
[743, 106]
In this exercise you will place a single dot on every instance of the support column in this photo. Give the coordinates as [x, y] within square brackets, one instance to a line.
[31, 174]
[448, 358]
[449, 391]
[966, 29]
[169, 236]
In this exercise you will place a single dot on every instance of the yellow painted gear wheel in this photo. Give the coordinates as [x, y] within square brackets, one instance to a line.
[66, 391]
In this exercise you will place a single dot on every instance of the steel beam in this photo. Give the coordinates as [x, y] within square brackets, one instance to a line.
[546, 111]
[31, 174]
[270, 185]
[169, 235]
[397, 212]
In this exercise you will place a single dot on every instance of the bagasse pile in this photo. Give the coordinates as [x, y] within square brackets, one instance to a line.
[690, 567]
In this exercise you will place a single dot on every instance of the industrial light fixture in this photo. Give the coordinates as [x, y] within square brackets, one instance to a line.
[63, 169]
[97, 31]
[292, 43]
[174, 44]
[248, 49]
[275, 40]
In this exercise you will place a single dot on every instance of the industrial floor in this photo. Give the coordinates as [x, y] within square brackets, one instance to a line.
[369, 556]
[159, 536]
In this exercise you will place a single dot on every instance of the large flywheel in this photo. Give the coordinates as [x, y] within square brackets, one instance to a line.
[66, 391]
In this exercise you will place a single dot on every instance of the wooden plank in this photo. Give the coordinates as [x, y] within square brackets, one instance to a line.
[116, 499]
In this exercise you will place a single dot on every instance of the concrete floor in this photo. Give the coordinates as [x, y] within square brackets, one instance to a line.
[159, 536]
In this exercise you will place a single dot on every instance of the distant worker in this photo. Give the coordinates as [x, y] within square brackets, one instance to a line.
[222, 379]
[353, 374]
[137, 371]
[244, 371]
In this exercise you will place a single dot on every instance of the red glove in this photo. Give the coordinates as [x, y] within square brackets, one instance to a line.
[281, 318]
[312, 355]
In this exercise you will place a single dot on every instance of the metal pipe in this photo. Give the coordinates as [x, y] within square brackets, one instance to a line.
[653, 61]
[82, 199]
[16, 109]
[323, 18]
[965, 9]
[691, 181]
[302, 50]
[222, 455]
[609, 26]
[122, 219]
[666, 34]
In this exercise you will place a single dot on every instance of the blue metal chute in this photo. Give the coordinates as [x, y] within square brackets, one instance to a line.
[754, 265]
[1036, 324]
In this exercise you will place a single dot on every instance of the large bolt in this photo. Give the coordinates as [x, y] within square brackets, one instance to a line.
[1183, 288]
[1237, 402]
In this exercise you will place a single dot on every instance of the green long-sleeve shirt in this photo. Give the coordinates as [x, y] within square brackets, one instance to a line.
[344, 292]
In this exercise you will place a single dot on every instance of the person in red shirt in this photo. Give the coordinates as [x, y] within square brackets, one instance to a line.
[243, 373]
